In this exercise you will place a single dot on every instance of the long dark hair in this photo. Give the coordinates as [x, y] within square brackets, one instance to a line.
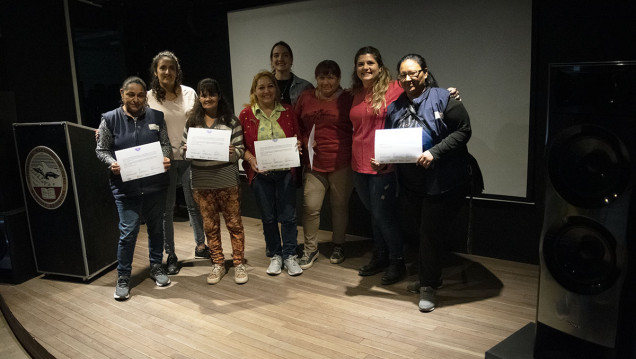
[158, 91]
[430, 80]
[196, 116]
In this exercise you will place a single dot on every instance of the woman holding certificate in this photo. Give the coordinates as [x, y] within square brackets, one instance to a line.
[130, 126]
[169, 96]
[438, 182]
[267, 123]
[325, 112]
[373, 91]
[215, 183]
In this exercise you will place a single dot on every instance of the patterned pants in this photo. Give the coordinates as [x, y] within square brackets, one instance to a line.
[227, 201]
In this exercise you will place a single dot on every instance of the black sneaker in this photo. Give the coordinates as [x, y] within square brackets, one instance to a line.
[375, 266]
[395, 272]
[158, 274]
[202, 254]
[337, 256]
[172, 264]
[122, 289]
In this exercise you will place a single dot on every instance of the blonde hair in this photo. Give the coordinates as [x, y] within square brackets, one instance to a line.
[258, 76]
[381, 83]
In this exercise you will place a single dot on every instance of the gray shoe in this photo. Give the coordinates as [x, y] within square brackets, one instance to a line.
[122, 289]
[275, 265]
[158, 274]
[292, 266]
[337, 256]
[308, 259]
[218, 271]
[428, 300]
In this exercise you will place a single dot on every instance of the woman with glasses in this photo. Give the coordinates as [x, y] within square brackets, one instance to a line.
[325, 111]
[438, 182]
[265, 118]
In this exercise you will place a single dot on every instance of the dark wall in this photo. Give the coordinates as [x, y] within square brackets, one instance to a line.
[36, 80]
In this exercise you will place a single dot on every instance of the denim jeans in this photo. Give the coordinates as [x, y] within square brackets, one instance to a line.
[180, 170]
[275, 195]
[378, 194]
[151, 207]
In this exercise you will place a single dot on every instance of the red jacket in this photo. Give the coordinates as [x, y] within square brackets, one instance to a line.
[249, 122]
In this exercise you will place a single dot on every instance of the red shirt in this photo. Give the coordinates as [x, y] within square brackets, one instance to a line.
[249, 122]
[333, 130]
[365, 122]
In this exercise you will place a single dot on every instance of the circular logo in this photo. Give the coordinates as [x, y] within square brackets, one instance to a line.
[46, 177]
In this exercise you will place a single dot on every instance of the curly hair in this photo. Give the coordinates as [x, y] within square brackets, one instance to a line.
[158, 91]
[381, 83]
[258, 76]
[196, 116]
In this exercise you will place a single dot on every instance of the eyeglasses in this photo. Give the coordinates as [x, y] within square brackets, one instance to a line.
[411, 74]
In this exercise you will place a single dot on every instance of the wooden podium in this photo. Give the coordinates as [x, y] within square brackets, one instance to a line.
[71, 212]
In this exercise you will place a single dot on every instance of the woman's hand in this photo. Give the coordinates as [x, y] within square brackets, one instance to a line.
[377, 166]
[184, 147]
[231, 150]
[426, 159]
[299, 145]
[166, 163]
[454, 93]
[115, 168]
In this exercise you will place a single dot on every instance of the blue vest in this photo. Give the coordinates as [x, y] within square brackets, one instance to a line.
[427, 111]
[128, 133]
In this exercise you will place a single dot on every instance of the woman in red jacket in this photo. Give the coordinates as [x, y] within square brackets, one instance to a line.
[265, 118]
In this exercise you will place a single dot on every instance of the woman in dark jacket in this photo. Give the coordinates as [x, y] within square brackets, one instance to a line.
[134, 124]
[438, 182]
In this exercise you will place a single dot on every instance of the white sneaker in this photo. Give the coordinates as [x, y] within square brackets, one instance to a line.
[240, 274]
[275, 265]
[291, 263]
[218, 271]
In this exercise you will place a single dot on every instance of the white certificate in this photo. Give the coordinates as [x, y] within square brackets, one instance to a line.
[140, 161]
[278, 153]
[399, 145]
[208, 144]
[310, 146]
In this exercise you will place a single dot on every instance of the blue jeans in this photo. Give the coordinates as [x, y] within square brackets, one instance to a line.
[180, 170]
[275, 195]
[378, 194]
[151, 207]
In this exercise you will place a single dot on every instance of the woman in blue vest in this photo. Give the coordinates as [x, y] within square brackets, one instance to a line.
[130, 125]
[438, 182]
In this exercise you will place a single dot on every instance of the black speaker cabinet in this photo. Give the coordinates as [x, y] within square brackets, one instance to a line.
[587, 249]
[16, 254]
[71, 211]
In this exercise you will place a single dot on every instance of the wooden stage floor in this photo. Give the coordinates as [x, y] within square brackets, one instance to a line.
[327, 312]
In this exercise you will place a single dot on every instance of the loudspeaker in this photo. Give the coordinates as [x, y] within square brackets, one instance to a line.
[70, 209]
[16, 254]
[587, 249]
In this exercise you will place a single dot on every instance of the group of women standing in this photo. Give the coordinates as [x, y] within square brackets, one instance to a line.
[339, 127]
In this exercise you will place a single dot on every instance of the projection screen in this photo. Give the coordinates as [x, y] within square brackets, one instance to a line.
[481, 47]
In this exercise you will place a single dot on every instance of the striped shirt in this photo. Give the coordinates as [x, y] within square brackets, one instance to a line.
[209, 174]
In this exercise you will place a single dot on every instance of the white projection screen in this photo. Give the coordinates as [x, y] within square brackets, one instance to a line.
[482, 47]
